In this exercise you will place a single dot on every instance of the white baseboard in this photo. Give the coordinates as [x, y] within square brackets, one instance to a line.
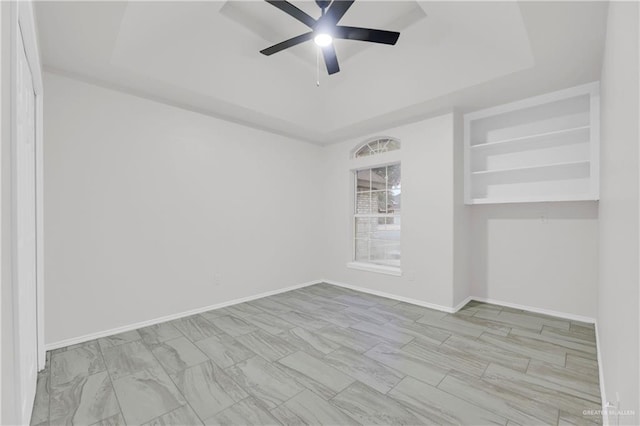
[437, 307]
[558, 314]
[129, 327]
[462, 304]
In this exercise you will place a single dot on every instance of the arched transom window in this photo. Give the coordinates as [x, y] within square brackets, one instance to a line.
[377, 146]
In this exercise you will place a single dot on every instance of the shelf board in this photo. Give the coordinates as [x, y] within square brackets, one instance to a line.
[557, 198]
[530, 168]
[529, 138]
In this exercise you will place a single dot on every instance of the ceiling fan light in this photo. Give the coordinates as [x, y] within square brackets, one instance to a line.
[323, 39]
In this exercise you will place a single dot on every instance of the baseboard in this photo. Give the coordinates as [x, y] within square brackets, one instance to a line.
[549, 312]
[462, 304]
[105, 333]
[437, 307]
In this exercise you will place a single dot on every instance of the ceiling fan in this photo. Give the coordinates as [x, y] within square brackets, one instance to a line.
[326, 28]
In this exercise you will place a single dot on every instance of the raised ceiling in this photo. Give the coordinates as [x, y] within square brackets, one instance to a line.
[205, 56]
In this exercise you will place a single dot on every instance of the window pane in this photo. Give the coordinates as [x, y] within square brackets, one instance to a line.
[362, 251]
[363, 203]
[363, 180]
[382, 233]
[393, 173]
[365, 226]
[379, 202]
[379, 178]
[393, 222]
[377, 146]
[363, 152]
[394, 198]
[385, 252]
[392, 144]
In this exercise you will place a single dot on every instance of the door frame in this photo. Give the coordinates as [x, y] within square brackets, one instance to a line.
[23, 24]
[25, 19]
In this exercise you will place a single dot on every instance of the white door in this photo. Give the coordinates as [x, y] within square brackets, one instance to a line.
[25, 238]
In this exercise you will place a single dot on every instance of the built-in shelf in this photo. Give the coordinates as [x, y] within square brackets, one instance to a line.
[539, 149]
[541, 199]
[539, 168]
[563, 135]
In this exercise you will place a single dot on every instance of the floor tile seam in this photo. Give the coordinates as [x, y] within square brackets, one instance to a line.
[119, 344]
[152, 346]
[75, 409]
[333, 402]
[113, 388]
[587, 384]
[177, 388]
[384, 339]
[276, 359]
[230, 406]
[477, 405]
[268, 362]
[438, 367]
[544, 404]
[558, 352]
[170, 322]
[469, 401]
[360, 381]
[304, 388]
[558, 349]
[48, 374]
[560, 345]
[545, 381]
[311, 378]
[396, 385]
[150, 368]
[413, 410]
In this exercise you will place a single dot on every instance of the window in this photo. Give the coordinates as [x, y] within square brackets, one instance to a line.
[377, 215]
[377, 146]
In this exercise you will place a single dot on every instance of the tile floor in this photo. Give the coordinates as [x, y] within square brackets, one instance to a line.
[333, 356]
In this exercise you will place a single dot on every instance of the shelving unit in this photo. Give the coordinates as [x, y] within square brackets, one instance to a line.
[544, 148]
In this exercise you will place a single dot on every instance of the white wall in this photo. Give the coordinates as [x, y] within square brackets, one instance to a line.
[427, 159]
[619, 247]
[541, 255]
[462, 220]
[146, 203]
[8, 404]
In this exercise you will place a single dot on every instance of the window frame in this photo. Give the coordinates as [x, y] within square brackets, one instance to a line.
[362, 163]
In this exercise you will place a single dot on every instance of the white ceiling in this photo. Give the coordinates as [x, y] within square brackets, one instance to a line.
[205, 56]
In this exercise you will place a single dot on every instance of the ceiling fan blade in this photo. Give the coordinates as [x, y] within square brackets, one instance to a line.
[287, 44]
[336, 11]
[292, 10]
[330, 59]
[366, 34]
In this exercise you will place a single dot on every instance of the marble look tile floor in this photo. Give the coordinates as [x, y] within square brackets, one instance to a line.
[332, 356]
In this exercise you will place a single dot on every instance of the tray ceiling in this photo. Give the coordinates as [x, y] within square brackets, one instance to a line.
[205, 56]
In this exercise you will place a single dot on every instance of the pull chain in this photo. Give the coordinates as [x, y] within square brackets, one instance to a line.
[317, 66]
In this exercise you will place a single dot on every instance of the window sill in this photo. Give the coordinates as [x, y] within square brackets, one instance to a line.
[388, 270]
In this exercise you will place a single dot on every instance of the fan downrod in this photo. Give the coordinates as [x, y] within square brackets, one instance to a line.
[323, 4]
